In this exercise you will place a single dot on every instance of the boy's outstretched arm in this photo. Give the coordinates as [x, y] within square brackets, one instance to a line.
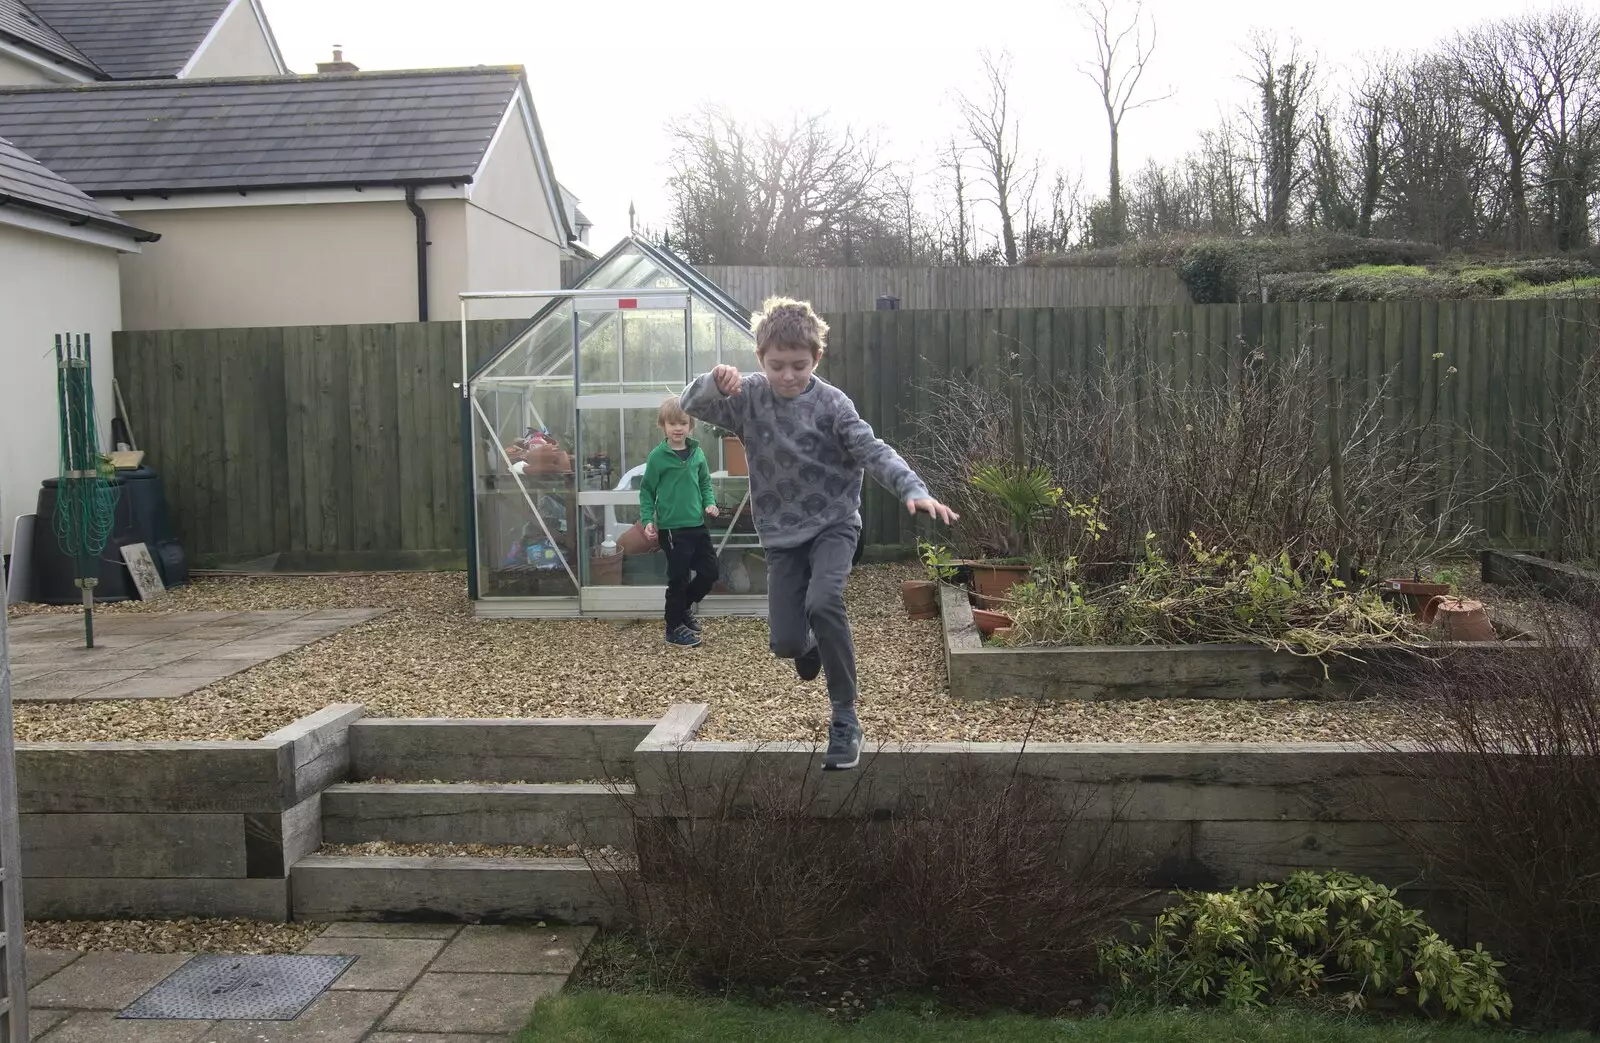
[716, 398]
[887, 467]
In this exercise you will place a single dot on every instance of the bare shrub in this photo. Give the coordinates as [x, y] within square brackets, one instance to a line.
[1555, 459]
[1241, 459]
[993, 888]
[1506, 749]
[998, 890]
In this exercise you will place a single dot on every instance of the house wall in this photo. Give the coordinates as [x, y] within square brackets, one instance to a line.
[48, 285]
[239, 47]
[14, 72]
[291, 265]
[512, 236]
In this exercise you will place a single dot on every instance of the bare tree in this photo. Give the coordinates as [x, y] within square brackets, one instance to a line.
[1286, 87]
[1501, 77]
[804, 193]
[995, 132]
[1371, 130]
[1122, 51]
[1564, 45]
[954, 222]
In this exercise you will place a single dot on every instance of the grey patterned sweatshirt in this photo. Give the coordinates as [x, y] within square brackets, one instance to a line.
[807, 454]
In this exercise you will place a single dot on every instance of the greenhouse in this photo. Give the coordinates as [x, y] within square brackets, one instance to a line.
[562, 418]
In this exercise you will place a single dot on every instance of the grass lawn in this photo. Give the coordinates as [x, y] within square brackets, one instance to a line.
[603, 1017]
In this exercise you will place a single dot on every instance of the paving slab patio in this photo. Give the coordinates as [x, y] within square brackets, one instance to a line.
[410, 983]
[165, 656]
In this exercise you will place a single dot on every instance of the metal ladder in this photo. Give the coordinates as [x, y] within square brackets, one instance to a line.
[13, 975]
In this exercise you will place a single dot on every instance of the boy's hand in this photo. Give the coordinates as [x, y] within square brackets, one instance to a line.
[712, 512]
[726, 378]
[650, 531]
[928, 505]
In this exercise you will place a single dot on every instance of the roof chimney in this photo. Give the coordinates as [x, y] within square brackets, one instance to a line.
[338, 64]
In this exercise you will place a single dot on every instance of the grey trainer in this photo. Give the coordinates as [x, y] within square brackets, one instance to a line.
[844, 746]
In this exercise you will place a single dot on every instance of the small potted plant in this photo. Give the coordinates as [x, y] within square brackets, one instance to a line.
[733, 458]
[921, 596]
[1027, 494]
[1417, 593]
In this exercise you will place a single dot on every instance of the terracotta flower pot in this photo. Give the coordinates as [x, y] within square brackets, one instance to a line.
[993, 583]
[605, 570]
[921, 598]
[988, 622]
[547, 459]
[1416, 594]
[634, 541]
[1459, 619]
[733, 458]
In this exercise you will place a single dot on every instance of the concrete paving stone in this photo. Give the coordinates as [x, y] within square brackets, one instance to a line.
[116, 642]
[223, 634]
[146, 658]
[65, 653]
[100, 1027]
[67, 684]
[249, 652]
[271, 616]
[161, 626]
[433, 1037]
[468, 1003]
[205, 671]
[148, 685]
[359, 929]
[183, 645]
[381, 963]
[515, 950]
[42, 963]
[334, 1017]
[28, 671]
[42, 1021]
[106, 980]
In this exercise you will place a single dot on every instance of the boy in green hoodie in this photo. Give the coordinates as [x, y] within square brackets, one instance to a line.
[675, 500]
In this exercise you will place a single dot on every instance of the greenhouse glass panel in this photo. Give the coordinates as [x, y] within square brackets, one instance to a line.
[563, 418]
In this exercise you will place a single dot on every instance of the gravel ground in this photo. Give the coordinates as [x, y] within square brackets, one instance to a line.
[245, 937]
[431, 658]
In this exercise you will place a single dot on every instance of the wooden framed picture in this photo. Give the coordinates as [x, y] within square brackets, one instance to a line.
[142, 567]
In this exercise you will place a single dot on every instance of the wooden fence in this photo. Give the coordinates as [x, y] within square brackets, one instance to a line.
[343, 443]
[858, 289]
[335, 445]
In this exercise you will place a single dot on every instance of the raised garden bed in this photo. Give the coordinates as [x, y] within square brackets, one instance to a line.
[988, 671]
[1552, 578]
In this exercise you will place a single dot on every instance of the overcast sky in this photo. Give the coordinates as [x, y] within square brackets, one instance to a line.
[607, 77]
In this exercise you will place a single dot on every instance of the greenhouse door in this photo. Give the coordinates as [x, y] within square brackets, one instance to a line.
[633, 353]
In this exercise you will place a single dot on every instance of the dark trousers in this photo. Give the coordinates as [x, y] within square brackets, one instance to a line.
[805, 606]
[691, 570]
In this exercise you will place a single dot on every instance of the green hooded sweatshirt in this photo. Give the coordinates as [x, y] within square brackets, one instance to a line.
[675, 493]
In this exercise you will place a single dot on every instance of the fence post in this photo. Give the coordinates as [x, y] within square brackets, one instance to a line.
[1336, 478]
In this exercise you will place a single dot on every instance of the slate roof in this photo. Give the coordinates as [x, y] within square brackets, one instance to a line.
[27, 183]
[132, 39]
[160, 137]
[28, 28]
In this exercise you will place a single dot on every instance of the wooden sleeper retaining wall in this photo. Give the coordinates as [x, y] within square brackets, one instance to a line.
[173, 829]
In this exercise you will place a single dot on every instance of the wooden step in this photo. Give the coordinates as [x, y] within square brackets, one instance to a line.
[476, 813]
[455, 890]
[494, 750]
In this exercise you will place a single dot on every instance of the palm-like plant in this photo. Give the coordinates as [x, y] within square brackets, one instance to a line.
[1027, 494]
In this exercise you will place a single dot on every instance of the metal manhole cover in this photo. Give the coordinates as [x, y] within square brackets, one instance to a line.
[240, 988]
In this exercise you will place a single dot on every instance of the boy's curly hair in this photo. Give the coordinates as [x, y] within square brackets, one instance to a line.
[786, 323]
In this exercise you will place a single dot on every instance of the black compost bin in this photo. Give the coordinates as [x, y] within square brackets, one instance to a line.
[141, 517]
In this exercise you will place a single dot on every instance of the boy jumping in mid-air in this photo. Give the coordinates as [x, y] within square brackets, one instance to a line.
[675, 499]
[808, 450]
